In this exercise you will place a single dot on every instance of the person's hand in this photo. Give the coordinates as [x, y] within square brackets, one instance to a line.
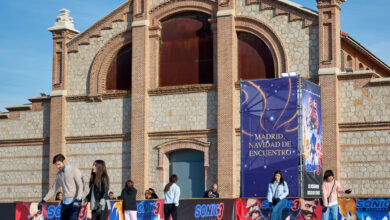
[348, 191]
[210, 193]
[41, 204]
[77, 203]
[324, 209]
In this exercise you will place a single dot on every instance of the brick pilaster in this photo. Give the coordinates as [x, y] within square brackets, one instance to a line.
[330, 64]
[227, 74]
[63, 31]
[139, 104]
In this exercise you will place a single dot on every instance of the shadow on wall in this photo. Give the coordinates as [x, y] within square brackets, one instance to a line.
[126, 144]
[212, 108]
[313, 53]
[45, 149]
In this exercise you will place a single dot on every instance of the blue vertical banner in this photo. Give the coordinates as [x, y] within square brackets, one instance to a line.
[311, 139]
[269, 135]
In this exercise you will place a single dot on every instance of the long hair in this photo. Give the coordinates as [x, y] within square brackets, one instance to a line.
[327, 174]
[281, 177]
[97, 177]
[128, 184]
[172, 180]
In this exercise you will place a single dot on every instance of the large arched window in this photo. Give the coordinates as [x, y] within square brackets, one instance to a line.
[119, 73]
[254, 58]
[186, 50]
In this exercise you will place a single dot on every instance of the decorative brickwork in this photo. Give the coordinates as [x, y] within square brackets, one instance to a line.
[81, 61]
[140, 107]
[102, 61]
[299, 40]
[265, 33]
[180, 144]
[227, 72]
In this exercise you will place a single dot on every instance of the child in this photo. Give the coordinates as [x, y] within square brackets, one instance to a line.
[128, 196]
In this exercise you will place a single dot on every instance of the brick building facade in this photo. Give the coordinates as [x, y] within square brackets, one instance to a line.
[134, 121]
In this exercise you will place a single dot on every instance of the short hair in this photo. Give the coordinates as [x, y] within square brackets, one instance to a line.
[110, 193]
[58, 157]
[327, 174]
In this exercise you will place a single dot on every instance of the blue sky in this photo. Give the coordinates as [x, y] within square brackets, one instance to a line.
[26, 44]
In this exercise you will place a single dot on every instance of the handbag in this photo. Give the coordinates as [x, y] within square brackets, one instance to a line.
[327, 199]
[275, 200]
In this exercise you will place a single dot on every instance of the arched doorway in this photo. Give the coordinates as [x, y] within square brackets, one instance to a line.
[188, 165]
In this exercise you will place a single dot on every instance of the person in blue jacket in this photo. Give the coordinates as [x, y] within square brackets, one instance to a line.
[277, 193]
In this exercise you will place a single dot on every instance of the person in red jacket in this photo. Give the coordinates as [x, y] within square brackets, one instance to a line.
[330, 190]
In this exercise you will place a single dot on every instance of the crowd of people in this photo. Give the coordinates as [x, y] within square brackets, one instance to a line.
[70, 180]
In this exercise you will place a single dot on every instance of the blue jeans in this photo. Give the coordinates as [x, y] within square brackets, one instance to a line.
[69, 212]
[334, 210]
[277, 210]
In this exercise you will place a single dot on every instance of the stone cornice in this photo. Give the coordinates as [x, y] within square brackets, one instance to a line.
[112, 94]
[119, 14]
[294, 11]
[364, 126]
[182, 133]
[19, 108]
[380, 81]
[358, 75]
[170, 90]
[98, 138]
[165, 4]
[24, 142]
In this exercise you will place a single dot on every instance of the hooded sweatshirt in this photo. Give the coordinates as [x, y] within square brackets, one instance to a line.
[129, 199]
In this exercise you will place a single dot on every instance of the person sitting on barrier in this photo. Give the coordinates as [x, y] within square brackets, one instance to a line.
[154, 195]
[277, 193]
[111, 196]
[128, 195]
[59, 196]
[148, 194]
[171, 198]
[99, 184]
[330, 190]
[212, 193]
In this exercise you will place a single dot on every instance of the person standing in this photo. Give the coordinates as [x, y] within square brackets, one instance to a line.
[212, 193]
[277, 193]
[69, 179]
[128, 195]
[171, 198]
[99, 183]
[330, 190]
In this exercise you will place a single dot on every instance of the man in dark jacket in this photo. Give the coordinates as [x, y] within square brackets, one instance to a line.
[212, 193]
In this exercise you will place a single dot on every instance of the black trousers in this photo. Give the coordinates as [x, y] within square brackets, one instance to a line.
[170, 209]
[69, 212]
[100, 215]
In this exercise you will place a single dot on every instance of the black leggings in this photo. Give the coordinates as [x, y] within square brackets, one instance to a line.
[170, 209]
